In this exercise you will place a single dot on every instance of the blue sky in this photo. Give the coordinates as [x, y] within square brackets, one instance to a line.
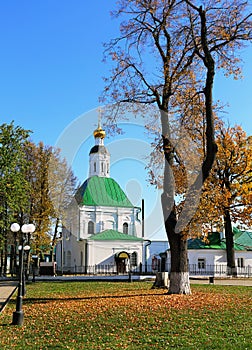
[51, 73]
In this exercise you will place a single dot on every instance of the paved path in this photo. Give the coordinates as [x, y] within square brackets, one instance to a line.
[198, 280]
[231, 281]
[7, 288]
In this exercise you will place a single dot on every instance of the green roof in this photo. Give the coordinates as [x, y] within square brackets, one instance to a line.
[112, 235]
[243, 238]
[102, 191]
[242, 241]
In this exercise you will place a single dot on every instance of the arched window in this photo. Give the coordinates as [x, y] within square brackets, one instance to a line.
[125, 228]
[90, 227]
[68, 259]
[94, 167]
[133, 259]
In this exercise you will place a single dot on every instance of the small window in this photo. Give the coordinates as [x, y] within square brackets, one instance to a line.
[133, 259]
[90, 227]
[240, 262]
[94, 167]
[107, 168]
[102, 167]
[68, 258]
[201, 263]
[125, 228]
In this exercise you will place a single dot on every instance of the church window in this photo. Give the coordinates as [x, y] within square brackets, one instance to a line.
[102, 167]
[90, 227]
[107, 168]
[125, 228]
[68, 259]
[133, 259]
[94, 167]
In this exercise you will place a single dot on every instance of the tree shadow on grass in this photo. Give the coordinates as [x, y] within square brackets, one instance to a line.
[45, 300]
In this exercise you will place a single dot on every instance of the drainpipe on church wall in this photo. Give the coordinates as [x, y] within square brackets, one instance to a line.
[146, 240]
[142, 218]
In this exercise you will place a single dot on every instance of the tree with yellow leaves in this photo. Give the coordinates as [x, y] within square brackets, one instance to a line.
[166, 56]
[226, 195]
[231, 184]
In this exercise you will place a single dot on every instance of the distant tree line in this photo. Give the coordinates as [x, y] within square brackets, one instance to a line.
[36, 185]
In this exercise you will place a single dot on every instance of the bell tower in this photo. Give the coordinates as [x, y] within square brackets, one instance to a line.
[99, 157]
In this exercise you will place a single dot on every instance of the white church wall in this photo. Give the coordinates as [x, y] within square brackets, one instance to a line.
[108, 218]
[103, 252]
[73, 253]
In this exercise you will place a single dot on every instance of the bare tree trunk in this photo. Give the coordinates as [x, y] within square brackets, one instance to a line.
[2, 263]
[229, 244]
[179, 274]
[5, 256]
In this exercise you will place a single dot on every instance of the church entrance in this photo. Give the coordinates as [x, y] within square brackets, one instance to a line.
[122, 260]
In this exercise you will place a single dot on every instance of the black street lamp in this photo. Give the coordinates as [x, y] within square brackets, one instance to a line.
[18, 315]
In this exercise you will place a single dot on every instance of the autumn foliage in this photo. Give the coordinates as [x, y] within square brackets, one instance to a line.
[129, 316]
[166, 56]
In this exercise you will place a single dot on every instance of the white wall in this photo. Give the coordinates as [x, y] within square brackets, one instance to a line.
[106, 218]
[103, 252]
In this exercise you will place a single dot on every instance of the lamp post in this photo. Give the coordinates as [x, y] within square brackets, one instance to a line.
[18, 315]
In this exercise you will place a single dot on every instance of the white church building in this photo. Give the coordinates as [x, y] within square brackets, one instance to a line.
[103, 231]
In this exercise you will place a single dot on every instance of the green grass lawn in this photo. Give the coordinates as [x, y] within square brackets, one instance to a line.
[109, 315]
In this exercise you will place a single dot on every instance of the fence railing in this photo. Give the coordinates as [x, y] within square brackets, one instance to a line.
[194, 270]
[220, 271]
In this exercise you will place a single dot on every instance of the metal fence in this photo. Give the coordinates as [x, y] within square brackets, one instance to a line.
[219, 271]
[194, 270]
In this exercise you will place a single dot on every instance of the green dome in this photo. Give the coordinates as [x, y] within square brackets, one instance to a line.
[102, 191]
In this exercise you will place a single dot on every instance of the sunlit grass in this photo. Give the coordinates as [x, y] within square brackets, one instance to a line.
[109, 315]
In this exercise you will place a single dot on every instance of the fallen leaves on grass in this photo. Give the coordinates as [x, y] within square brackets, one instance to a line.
[110, 317]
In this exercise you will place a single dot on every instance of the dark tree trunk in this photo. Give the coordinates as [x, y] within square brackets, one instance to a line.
[5, 256]
[179, 274]
[2, 263]
[229, 244]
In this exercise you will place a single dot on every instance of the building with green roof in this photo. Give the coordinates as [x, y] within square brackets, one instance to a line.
[208, 256]
[102, 191]
[102, 221]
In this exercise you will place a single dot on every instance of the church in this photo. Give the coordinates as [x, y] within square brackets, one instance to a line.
[103, 230]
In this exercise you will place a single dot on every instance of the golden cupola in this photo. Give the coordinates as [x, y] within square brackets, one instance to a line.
[99, 133]
[99, 157]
